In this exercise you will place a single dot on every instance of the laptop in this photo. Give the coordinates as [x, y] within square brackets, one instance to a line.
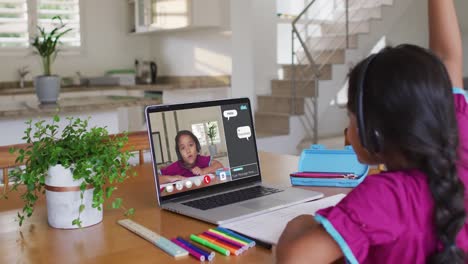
[206, 164]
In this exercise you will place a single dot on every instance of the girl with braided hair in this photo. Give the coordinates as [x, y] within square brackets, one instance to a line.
[404, 113]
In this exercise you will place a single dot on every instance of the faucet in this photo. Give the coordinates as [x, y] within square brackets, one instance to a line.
[22, 73]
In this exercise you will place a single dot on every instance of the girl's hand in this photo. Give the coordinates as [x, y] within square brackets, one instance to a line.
[198, 171]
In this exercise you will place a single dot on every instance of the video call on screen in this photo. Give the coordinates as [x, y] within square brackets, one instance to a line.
[225, 137]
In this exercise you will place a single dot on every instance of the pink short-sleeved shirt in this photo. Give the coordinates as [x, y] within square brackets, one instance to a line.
[177, 168]
[388, 217]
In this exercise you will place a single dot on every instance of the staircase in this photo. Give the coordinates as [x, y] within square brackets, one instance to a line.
[328, 31]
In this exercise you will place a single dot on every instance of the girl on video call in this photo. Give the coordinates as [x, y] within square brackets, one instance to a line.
[406, 110]
[190, 163]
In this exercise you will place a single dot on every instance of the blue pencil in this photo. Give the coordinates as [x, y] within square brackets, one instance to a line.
[229, 232]
[208, 255]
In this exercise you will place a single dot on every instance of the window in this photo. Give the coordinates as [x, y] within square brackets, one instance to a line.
[69, 11]
[19, 20]
[13, 23]
[201, 131]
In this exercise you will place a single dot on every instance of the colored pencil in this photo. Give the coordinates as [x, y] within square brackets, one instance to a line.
[208, 255]
[192, 252]
[227, 240]
[230, 237]
[234, 250]
[205, 243]
[227, 231]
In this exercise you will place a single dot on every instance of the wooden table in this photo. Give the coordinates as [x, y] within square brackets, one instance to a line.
[108, 242]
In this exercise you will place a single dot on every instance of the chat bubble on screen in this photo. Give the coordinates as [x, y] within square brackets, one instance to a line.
[244, 132]
[230, 113]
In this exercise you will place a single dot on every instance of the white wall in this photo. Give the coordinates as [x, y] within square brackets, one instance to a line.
[465, 55]
[193, 52]
[253, 25]
[106, 45]
[412, 27]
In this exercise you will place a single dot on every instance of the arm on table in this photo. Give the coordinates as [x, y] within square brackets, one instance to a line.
[214, 165]
[305, 241]
[170, 178]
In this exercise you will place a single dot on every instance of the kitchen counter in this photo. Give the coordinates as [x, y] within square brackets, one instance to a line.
[165, 83]
[31, 108]
[67, 89]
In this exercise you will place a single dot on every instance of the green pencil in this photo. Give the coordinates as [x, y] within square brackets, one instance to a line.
[210, 245]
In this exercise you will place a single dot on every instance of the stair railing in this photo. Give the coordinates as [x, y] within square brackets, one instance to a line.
[313, 65]
[307, 67]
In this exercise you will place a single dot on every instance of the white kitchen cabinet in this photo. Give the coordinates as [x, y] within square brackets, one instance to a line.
[164, 15]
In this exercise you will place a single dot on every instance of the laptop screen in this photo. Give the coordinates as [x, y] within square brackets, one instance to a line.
[201, 145]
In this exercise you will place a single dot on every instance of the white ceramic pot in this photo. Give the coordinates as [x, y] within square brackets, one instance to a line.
[63, 200]
[47, 88]
[213, 150]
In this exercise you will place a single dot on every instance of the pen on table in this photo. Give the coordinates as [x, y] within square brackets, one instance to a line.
[235, 250]
[241, 241]
[192, 252]
[226, 239]
[210, 245]
[260, 243]
[230, 233]
[208, 255]
[254, 241]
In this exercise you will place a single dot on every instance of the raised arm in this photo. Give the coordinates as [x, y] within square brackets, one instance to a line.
[445, 39]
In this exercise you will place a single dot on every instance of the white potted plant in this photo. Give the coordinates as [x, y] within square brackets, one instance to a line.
[212, 132]
[46, 45]
[77, 169]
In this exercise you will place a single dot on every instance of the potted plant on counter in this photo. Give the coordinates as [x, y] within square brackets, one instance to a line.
[77, 169]
[46, 45]
[212, 132]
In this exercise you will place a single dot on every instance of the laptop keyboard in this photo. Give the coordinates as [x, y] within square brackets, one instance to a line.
[231, 197]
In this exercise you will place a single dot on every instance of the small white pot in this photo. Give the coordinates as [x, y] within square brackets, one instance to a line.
[63, 200]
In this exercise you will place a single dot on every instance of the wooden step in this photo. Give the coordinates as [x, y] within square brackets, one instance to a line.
[284, 88]
[332, 42]
[280, 104]
[322, 57]
[269, 134]
[363, 3]
[271, 123]
[336, 142]
[339, 28]
[329, 56]
[357, 14]
[306, 72]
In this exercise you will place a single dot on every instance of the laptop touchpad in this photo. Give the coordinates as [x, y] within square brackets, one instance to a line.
[259, 204]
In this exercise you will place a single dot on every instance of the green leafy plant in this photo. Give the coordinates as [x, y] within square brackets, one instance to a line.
[94, 155]
[46, 43]
[212, 131]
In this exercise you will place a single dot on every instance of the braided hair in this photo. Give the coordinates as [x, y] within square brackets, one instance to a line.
[408, 98]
